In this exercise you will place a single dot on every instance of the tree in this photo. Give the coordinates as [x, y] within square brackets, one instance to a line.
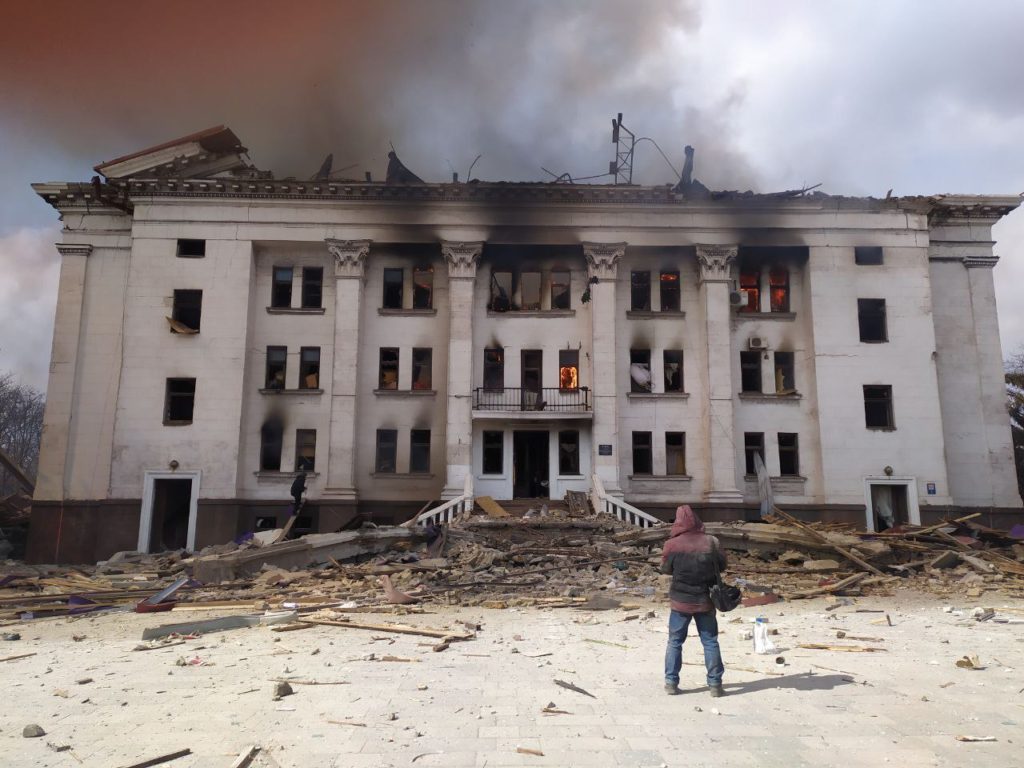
[1014, 368]
[21, 426]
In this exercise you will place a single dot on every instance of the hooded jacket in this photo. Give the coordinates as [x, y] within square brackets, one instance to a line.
[689, 556]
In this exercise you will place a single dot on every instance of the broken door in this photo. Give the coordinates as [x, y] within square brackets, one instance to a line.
[172, 506]
[530, 465]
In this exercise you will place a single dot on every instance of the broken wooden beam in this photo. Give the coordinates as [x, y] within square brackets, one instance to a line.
[402, 629]
[161, 759]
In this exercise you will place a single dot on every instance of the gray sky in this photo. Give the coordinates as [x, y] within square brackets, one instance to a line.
[861, 97]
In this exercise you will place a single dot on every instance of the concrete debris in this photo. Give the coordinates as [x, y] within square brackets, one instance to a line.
[32, 731]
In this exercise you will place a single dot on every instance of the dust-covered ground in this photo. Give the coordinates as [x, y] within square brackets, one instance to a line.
[384, 699]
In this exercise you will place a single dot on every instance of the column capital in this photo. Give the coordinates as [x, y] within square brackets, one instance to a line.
[349, 256]
[715, 262]
[461, 257]
[74, 249]
[603, 259]
[980, 261]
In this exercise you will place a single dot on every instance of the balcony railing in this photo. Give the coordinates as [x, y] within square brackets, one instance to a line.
[519, 399]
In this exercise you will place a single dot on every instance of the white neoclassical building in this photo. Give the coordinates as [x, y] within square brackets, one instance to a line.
[219, 329]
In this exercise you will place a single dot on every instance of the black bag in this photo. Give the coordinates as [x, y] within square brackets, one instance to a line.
[723, 596]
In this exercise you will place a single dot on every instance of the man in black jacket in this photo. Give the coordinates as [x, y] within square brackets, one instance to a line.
[690, 555]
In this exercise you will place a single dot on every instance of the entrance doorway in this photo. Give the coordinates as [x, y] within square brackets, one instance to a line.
[168, 516]
[532, 364]
[891, 502]
[530, 471]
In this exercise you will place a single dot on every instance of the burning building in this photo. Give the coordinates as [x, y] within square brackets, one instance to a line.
[405, 343]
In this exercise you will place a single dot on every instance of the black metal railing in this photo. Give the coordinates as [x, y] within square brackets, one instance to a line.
[519, 399]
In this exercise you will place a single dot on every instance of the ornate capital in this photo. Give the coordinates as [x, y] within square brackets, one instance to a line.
[349, 256]
[74, 249]
[980, 261]
[462, 258]
[603, 259]
[715, 262]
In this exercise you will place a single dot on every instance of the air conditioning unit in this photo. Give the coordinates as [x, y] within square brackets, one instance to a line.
[737, 298]
[757, 342]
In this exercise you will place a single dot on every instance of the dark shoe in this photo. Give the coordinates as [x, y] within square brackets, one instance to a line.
[672, 690]
[717, 691]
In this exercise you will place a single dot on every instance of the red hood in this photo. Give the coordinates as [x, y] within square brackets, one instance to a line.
[686, 522]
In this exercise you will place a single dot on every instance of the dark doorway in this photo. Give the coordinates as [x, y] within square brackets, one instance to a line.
[172, 500]
[530, 477]
[531, 379]
[889, 503]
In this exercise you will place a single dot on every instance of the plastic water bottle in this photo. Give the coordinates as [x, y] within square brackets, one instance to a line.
[762, 644]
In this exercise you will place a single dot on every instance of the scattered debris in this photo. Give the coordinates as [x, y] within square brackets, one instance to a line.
[245, 757]
[32, 731]
[841, 648]
[976, 738]
[575, 689]
[528, 751]
[282, 689]
[969, 662]
[161, 759]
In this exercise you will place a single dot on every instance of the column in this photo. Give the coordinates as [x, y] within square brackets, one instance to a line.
[602, 267]
[461, 259]
[349, 260]
[715, 263]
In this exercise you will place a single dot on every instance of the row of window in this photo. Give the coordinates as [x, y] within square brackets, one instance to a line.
[642, 380]
[675, 453]
[532, 368]
[525, 290]
[568, 452]
[386, 461]
[277, 368]
[750, 372]
[312, 292]
[272, 446]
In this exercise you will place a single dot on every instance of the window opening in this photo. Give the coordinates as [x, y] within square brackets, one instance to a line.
[305, 450]
[494, 368]
[639, 370]
[785, 380]
[312, 287]
[753, 444]
[669, 291]
[675, 453]
[180, 400]
[277, 366]
[419, 450]
[789, 454]
[494, 453]
[271, 438]
[387, 449]
[750, 283]
[872, 320]
[191, 249]
[423, 287]
[501, 292]
[568, 369]
[750, 371]
[778, 289]
[673, 370]
[642, 459]
[309, 368]
[867, 255]
[188, 308]
[560, 287]
[640, 291]
[421, 368]
[392, 289]
[529, 291]
[281, 292]
[569, 452]
[388, 368]
[878, 406]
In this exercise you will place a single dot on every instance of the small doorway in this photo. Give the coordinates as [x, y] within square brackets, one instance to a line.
[532, 363]
[891, 503]
[531, 477]
[168, 515]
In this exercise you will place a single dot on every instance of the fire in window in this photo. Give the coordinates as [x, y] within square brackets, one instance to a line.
[388, 368]
[568, 369]
[494, 368]
[785, 380]
[423, 287]
[669, 291]
[750, 284]
[778, 287]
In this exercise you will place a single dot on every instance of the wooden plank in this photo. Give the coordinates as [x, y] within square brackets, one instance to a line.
[245, 757]
[19, 656]
[288, 526]
[161, 759]
[491, 507]
[402, 629]
[849, 581]
[844, 552]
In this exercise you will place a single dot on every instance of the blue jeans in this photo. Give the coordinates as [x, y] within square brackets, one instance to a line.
[707, 629]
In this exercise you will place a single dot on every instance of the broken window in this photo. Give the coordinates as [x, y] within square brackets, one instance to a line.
[529, 291]
[568, 369]
[878, 406]
[871, 318]
[271, 434]
[501, 292]
[639, 370]
[392, 288]
[305, 450]
[312, 287]
[750, 371]
[640, 291]
[673, 365]
[669, 291]
[423, 287]
[188, 308]
[387, 450]
[494, 368]
[569, 452]
[789, 454]
[778, 289]
[277, 366]
[675, 453]
[309, 368]
[867, 255]
[388, 378]
[179, 401]
[750, 285]
[494, 449]
[753, 444]
[785, 380]
[281, 291]
[560, 285]
[643, 463]
[191, 249]
[421, 368]
[419, 450]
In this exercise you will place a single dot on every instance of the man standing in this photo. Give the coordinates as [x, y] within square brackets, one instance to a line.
[298, 488]
[690, 557]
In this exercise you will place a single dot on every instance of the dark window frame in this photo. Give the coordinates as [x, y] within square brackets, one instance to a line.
[190, 248]
[640, 291]
[537, 304]
[569, 462]
[667, 361]
[789, 454]
[753, 442]
[174, 400]
[561, 292]
[419, 451]
[280, 289]
[386, 366]
[779, 289]
[386, 458]
[184, 303]
[643, 453]
[422, 359]
[670, 293]
[270, 379]
[498, 302]
[422, 291]
[494, 369]
[393, 293]
[493, 452]
[640, 357]
[675, 445]
[305, 439]
[878, 407]
[751, 379]
[868, 255]
[312, 287]
[271, 446]
[750, 281]
[308, 366]
[872, 321]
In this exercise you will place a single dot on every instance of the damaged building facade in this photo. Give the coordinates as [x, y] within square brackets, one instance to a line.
[405, 343]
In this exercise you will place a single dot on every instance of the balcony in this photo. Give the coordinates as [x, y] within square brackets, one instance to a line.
[520, 403]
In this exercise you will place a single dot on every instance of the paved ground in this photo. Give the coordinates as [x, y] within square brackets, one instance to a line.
[475, 703]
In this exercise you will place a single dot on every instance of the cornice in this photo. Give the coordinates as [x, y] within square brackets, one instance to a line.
[980, 261]
[74, 249]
